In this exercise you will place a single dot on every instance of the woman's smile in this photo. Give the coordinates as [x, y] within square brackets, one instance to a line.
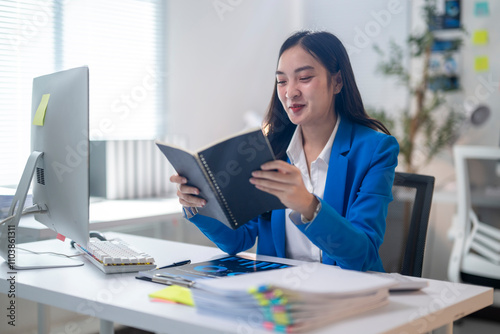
[296, 107]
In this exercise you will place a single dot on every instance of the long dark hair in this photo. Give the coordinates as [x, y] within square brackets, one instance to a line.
[329, 51]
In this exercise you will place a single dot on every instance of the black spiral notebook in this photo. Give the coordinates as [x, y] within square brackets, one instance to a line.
[222, 171]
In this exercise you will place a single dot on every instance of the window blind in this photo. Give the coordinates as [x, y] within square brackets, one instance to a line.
[120, 40]
[27, 50]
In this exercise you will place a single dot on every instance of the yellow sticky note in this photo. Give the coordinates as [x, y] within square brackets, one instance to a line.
[39, 118]
[176, 293]
[481, 64]
[480, 37]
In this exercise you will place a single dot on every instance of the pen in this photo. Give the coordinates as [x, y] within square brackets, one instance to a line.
[173, 279]
[176, 264]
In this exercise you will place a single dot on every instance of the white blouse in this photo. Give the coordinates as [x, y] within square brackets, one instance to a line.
[298, 246]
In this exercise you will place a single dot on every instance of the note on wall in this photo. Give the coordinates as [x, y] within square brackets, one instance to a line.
[481, 63]
[480, 37]
[39, 118]
[482, 8]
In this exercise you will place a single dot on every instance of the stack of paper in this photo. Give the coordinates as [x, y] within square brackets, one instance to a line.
[293, 299]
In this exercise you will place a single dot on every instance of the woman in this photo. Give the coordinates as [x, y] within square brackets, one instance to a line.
[334, 170]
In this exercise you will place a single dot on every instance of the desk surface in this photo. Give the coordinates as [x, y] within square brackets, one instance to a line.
[122, 299]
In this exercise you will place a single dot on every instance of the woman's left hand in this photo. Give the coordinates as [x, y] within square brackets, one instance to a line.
[284, 181]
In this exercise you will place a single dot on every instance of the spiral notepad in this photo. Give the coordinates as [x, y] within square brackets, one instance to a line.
[218, 192]
[222, 172]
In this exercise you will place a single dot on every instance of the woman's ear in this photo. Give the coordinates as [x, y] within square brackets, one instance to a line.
[337, 82]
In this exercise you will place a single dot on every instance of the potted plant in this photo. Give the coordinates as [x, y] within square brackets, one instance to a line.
[428, 123]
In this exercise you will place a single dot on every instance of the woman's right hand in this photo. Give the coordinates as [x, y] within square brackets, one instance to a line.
[187, 194]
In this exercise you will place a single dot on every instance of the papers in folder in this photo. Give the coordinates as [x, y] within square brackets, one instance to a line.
[294, 299]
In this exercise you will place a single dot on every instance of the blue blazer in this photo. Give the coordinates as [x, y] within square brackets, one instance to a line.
[350, 226]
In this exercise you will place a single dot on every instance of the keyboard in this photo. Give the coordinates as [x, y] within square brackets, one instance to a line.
[116, 256]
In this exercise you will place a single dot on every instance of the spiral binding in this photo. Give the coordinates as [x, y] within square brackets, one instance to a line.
[221, 197]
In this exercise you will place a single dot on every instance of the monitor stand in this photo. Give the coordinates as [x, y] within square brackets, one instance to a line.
[8, 231]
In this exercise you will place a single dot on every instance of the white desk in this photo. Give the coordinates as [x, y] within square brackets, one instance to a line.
[121, 298]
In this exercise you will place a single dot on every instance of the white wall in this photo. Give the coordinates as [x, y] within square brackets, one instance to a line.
[221, 60]
[481, 87]
[360, 26]
[221, 63]
[475, 87]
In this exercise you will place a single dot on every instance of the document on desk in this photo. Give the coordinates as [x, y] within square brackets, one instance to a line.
[185, 275]
[294, 299]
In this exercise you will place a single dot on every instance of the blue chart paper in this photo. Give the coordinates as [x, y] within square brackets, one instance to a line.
[226, 266]
[451, 18]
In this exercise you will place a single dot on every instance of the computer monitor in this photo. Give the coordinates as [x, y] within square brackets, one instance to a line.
[58, 166]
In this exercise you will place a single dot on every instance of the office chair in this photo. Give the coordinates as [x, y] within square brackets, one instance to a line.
[475, 256]
[406, 225]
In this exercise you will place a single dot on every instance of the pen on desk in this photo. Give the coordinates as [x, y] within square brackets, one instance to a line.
[173, 279]
[176, 264]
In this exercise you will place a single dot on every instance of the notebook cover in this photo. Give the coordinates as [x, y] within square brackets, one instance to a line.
[187, 165]
[231, 163]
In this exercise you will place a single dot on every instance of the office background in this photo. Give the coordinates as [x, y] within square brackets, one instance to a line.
[199, 70]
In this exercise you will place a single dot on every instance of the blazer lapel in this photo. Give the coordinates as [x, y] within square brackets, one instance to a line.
[278, 228]
[335, 184]
[337, 168]
[278, 221]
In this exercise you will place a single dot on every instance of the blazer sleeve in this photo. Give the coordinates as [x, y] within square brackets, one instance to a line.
[353, 240]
